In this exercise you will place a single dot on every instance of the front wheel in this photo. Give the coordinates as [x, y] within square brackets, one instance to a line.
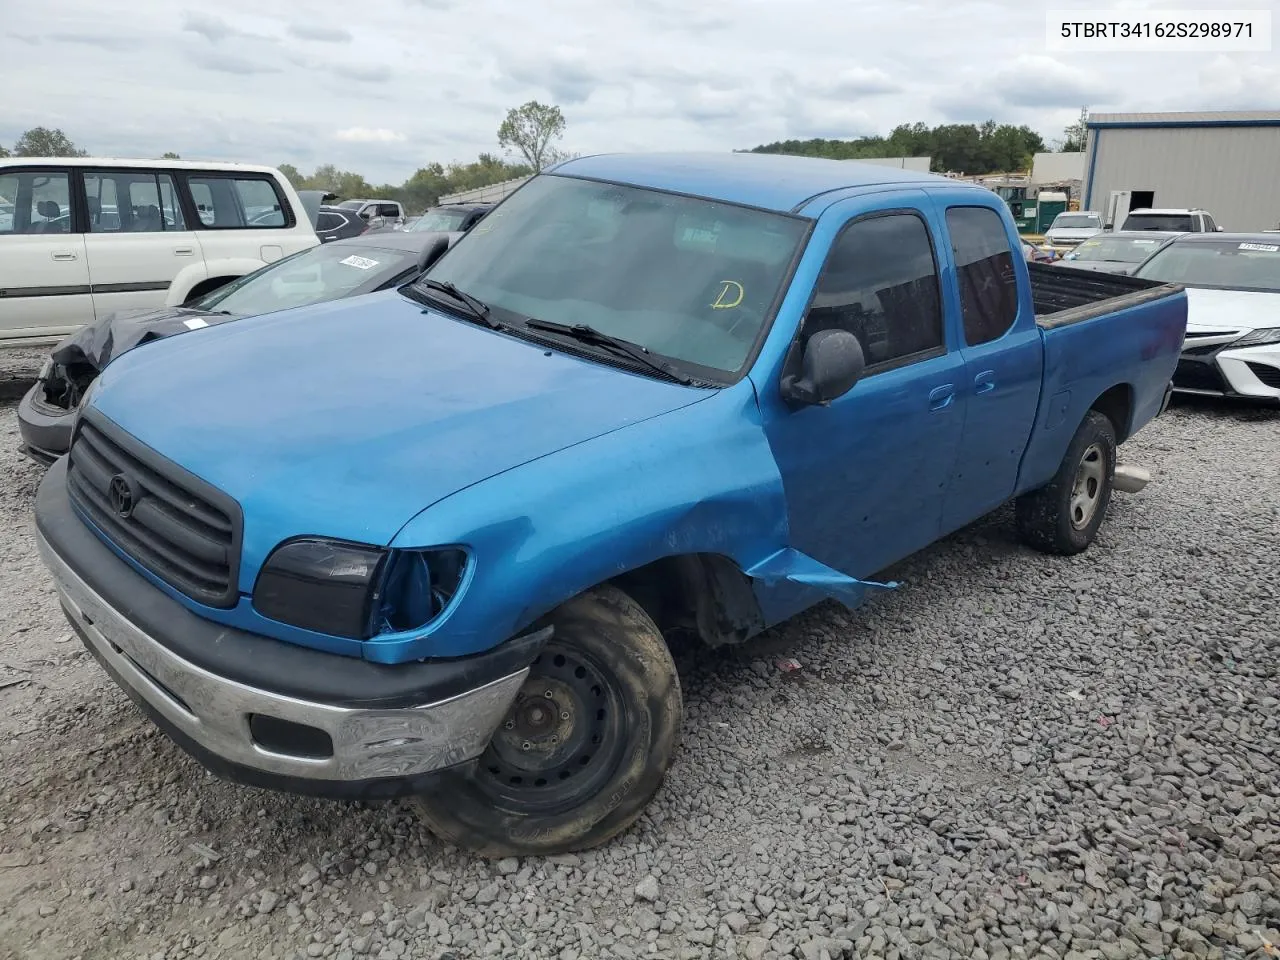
[584, 747]
[1063, 517]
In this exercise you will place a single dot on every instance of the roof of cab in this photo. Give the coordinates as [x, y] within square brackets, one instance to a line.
[765, 180]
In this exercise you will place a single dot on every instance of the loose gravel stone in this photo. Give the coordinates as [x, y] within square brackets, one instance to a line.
[1010, 756]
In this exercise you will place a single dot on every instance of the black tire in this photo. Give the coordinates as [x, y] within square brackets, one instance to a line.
[1054, 519]
[570, 778]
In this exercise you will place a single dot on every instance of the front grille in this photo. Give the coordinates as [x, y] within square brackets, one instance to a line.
[1267, 374]
[178, 527]
[1192, 375]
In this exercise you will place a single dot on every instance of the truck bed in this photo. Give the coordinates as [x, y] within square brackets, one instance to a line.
[1062, 295]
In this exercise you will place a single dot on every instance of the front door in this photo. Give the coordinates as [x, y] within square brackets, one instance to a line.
[1004, 358]
[865, 477]
[44, 278]
[138, 238]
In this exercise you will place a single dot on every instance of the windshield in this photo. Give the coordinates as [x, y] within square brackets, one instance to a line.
[443, 221]
[1116, 249]
[351, 204]
[1173, 222]
[1229, 264]
[319, 273]
[1075, 221]
[690, 279]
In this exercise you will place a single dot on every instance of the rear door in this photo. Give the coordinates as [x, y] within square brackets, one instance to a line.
[244, 221]
[138, 238]
[44, 275]
[1003, 358]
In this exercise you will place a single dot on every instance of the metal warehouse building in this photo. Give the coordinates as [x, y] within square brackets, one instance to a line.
[1226, 163]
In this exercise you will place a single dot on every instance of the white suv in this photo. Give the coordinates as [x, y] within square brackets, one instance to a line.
[82, 238]
[1171, 221]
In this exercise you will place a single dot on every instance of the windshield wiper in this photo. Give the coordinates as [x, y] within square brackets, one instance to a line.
[479, 309]
[590, 335]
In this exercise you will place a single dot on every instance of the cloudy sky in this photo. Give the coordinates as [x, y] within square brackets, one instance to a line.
[384, 86]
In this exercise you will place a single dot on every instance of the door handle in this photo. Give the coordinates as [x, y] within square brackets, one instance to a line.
[984, 382]
[942, 397]
[184, 251]
[63, 255]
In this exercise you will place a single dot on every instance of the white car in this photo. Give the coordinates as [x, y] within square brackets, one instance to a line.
[1068, 229]
[384, 212]
[1179, 220]
[87, 237]
[1232, 347]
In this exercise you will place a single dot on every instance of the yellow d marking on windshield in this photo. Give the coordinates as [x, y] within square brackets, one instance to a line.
[727, 290]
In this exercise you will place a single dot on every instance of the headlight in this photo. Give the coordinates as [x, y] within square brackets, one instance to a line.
[354, 590]
[1258, 338]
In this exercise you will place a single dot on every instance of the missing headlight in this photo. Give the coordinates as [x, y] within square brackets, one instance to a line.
[417, 586]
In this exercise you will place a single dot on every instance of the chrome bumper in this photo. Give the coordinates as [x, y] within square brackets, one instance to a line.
[214, 712]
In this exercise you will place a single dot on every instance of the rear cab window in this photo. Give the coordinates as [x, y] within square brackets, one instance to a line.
[243, 202]
[984, 271]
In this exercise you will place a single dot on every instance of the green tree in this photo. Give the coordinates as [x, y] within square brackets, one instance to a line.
[530, 131]
[4, 152]
[1075, 136]
[292, 175]
[170, 155]
[43, 142]
[962, 147]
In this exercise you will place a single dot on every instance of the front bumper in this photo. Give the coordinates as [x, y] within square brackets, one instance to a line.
[264, 712]
[45, 430]
[1247, 373]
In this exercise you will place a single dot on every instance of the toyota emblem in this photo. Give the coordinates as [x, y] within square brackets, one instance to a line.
[122, 496]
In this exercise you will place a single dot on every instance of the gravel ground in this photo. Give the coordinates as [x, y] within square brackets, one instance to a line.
[1011, 756]
[18, 369]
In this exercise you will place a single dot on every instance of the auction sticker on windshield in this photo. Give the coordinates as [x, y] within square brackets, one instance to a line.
[1261, 247]
[364, 263]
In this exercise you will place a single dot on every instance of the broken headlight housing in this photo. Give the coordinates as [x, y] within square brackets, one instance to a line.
[1258, 338]
[354, 590]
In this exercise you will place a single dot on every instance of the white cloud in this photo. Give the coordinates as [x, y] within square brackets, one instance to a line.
[365, 135]
[430, 80]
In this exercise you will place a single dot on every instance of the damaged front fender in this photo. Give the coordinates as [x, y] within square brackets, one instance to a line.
[791, 566]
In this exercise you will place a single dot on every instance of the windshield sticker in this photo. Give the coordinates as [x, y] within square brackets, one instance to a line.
[195, 323]
[1261, 247]
[1091, 243]
[730, 295]
[1146, 243]
[363, 263]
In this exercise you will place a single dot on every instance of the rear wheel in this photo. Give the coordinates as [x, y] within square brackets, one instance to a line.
[584, 747]
[1063, 517]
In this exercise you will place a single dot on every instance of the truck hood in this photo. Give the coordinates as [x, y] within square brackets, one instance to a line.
[1210, 310]
[96, 344]
[348, 418]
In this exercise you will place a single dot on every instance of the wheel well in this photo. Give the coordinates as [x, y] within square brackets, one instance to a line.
[1117, 406]
[207, 286]
[703, 593]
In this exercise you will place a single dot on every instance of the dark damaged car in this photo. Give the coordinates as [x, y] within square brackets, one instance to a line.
[333, 271]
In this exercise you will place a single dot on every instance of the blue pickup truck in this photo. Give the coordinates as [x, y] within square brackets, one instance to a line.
[432, 541]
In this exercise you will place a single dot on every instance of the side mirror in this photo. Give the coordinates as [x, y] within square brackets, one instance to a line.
[832, 363]
[1219, 229]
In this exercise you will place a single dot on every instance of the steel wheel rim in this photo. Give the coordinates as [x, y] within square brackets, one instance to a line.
[1086, 491]
[561, 739]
